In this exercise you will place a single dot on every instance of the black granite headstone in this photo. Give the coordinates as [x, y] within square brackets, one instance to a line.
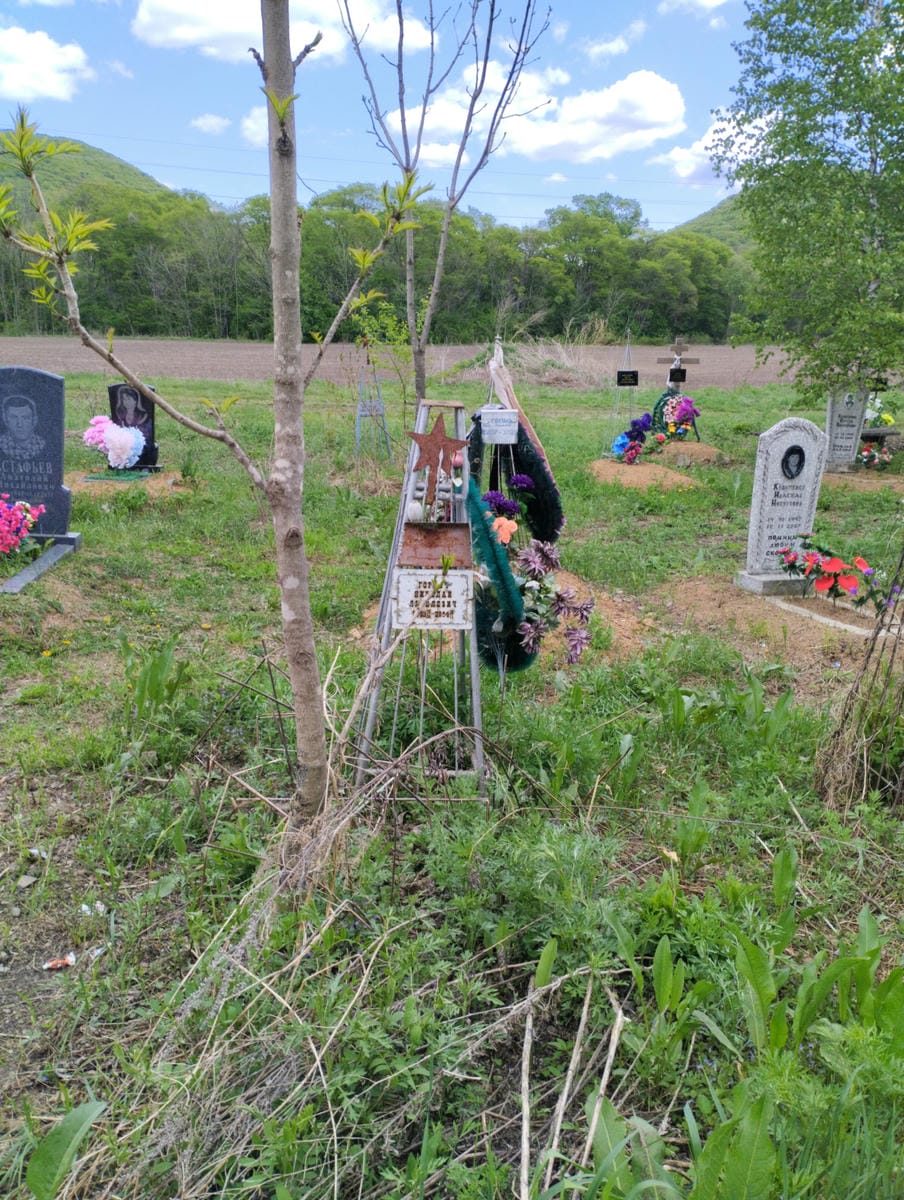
[31, 445]
[129, 408]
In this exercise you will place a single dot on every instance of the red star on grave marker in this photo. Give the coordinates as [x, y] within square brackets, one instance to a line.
[435, 450]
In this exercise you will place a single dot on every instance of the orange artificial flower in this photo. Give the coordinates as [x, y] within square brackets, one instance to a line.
[504, 528]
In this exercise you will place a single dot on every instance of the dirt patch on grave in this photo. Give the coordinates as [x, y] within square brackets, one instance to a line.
[156, 484]
[686, 453]
[641, 475]
[819, 645]
[863, 481]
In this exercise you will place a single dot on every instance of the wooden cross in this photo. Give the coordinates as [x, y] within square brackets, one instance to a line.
[678, 350]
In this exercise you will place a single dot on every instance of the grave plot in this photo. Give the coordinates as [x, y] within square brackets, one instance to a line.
[31, 463]
[788, 474]
[664, 437]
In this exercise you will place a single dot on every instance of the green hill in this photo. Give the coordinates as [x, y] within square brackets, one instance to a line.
[66, 175]
[725, 223]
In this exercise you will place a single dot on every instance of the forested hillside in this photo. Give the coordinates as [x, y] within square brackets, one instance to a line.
[175, 265]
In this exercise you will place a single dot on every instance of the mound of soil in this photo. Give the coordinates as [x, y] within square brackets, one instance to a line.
[161, 483]
[664, 470]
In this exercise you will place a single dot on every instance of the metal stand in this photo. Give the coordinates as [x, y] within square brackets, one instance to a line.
[626, 387]
[431, 543]
[370, 406]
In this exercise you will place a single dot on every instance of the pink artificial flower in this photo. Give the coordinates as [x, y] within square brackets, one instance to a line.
[94, 434]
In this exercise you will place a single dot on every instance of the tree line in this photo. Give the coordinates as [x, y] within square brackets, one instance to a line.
[173, 265]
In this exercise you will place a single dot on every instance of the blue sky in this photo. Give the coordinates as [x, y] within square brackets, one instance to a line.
[618, 98]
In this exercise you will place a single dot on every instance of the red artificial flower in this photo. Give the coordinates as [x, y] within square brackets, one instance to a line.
[861, 564]
[833, 565]
[812, 560]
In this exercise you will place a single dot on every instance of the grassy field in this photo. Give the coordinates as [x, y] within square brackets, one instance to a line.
[647, 960]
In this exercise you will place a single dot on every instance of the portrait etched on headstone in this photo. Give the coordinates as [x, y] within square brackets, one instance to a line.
[20, 438]
[793, 461]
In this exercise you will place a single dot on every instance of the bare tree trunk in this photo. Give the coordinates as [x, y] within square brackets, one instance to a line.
[472, 41]
[285, 483]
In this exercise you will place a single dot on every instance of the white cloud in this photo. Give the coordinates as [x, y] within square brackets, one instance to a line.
[120, 68]
[616, 45]
[632, 114]
[559, 31]
[691, 164]
[556, 177]
[254, 126]
[440, 154]
[620, 44]
[35, 67]
[46, 3]
[210, 123]
[225, 30]
[698, 7]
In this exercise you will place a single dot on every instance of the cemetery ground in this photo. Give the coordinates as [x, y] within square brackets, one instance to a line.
[718, 951]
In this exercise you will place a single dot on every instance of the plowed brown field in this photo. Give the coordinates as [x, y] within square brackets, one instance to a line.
[553, 364]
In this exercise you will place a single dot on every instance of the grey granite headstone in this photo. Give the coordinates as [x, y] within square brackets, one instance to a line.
[31, 446]
[844, 420]
[790, 460]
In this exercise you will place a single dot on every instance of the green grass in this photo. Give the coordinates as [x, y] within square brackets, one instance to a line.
[650, 829]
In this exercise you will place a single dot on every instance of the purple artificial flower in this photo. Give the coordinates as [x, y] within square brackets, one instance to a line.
[563, 602]
[501, 505]
[530, 561]
[582, 610]
[549, 554]
[521, 483]
[532, 634]
[638, 430]
[686, 411]
[566, 606]
[578, 640]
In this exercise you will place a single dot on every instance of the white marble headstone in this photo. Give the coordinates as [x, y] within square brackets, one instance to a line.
[790, 460]
[844, 420]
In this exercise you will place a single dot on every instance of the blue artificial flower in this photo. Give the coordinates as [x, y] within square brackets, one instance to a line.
[620, 445]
